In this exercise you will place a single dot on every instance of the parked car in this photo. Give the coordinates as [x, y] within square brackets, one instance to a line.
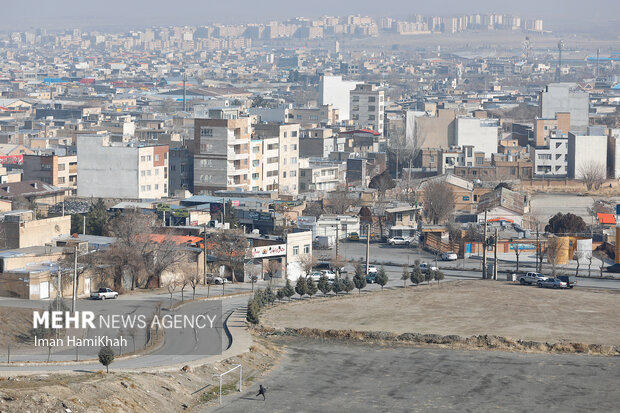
[354, 236]
[371, 278]
[315, 275]
[372, 269]
[531, 278]
[399, 241]
[216, 280]
[571, 280]
[329, 274]
[552, 283]
[449, 256]
[104, 294]
[425, 267]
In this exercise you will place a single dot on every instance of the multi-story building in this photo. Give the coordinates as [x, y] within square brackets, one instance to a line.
[545, 127]
[221, 154]
[586, 154]
[121, 170]
[256, 162]
[181, 170]
[60, 171]
[566, 98]
[335, 91]
[280, 157]
[481, 134]
[367, 107]
[552, 159]
[319, 175]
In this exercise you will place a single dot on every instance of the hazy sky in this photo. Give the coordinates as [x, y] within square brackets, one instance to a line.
[26, 14]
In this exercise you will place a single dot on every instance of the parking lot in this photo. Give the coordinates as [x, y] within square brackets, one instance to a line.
[318, 376]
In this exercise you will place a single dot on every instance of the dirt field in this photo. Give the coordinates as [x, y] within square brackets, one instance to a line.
[133, 392]
[16, 324]
[465, 308]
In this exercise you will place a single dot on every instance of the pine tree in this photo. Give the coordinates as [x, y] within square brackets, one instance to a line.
[97, 219]
[416, 276]
[311, 287]
[429, 276]
[438, 276]
[280, 294]
[77, 223]
[301, 287]
[253, 311]
[337, 286]
[270, 295]
[324, 285]
[289, 291]
[348, 285]
[359, 280]
[382, 278]
[106, 357]
[405, 275]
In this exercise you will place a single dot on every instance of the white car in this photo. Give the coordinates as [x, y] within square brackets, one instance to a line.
[372, 269]
[532, 278]
[315, 275]
[329, 274]
[449, 256]
[216, 280]
[399, 241]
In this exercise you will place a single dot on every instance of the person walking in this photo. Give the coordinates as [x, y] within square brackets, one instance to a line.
[261, 391]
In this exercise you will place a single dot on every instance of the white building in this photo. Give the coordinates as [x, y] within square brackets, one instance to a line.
[566, 97]
[613, 153]
[368, 107]
[280, 160]
[552, 160]
[482, 134]
[585, 152]
[335, 91]
[119, 170]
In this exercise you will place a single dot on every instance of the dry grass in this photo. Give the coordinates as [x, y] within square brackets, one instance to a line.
[465, 308]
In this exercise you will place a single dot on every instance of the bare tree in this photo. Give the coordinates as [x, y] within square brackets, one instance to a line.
[438, 201]
[307, 262]
[171, 285]
[338, 262]
[194, 278]
[554, 246]
[592, 174]
[272, 269]
[589, 257]
[517, 253]
[577, 256]
[340, 201]
[231, 248]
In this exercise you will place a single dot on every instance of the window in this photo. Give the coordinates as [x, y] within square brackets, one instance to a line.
[356, 99]
[148, 157]
[255, 162]
[156, 171]
[293, 160]
[156, 157]
[299, 117]
[371, 117]
[255, 176]
[206, 131]
[61, 180]
[294, 147]
[293, 174]
[296, 250]
[148, 187]
[284, 174]
[469, 151]
[61, 166]
[148, 173]
[142, 158]
[156, 187]
[256, 149]
[143, 188]
[285, 148]
[371, 99]
[272, 146]
[285, 134]
[371, 108]
[142, 173]
[294, 134]
[307, 249]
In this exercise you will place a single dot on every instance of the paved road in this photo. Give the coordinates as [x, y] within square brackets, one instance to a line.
[334, 377]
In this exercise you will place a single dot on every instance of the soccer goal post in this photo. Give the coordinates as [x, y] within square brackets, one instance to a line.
[220, 376]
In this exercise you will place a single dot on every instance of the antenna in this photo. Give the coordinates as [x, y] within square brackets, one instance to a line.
[560, 48]
[598, 52]
[184, 91]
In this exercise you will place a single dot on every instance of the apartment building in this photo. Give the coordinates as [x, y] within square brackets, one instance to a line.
[544, 127]
[221, 154]
[367, 107]
[324, 115]
[333, 90]
[551, 160]
[121, 170]
[280, 157]
[321, 175]
[60, 171]
[481, 134]
[256, 162]
[585, 153]
[566, 97]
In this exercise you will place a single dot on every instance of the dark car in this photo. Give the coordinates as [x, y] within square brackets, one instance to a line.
[570, 280]
[371, 278]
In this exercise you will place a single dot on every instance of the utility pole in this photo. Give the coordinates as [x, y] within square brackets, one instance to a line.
[204, 252]
[484, 245]
[337, 225]
[537, 249]
[84, 226]
[74, 298]
[368, 249]
[495, 257]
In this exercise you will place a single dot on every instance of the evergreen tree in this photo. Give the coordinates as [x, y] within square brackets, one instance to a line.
[280, 294]
[301, 287]
[106, 357]
[382, 278]
[77, 223]
[289, 291]
[311, 287]
[405, 275]
[438, 276]
[348, 285]
[359, 279]
[416, 276]
[97, 219]
[428, 277]
[270, 296]
[253, 311]
[324, 285]
[337, 286]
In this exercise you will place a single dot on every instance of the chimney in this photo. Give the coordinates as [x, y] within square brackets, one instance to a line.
[34, 185]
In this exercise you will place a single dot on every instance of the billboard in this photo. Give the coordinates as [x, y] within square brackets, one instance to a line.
[269, 251]
[12, 160]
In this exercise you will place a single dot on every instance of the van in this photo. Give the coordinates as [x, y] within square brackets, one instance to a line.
[570, 280]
